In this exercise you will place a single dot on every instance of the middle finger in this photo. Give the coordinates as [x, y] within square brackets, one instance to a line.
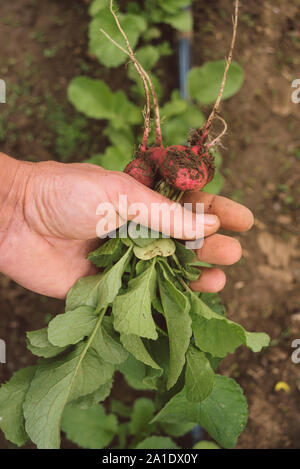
[220, 249]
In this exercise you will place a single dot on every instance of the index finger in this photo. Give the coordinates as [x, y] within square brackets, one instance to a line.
[149, 208]
[232, 215]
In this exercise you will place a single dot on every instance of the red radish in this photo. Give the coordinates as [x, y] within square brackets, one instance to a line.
[140, 170]
[182, 167]
[187, 168]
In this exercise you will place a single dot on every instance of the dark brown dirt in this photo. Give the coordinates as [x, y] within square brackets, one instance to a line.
[260, 167]
[262, 171]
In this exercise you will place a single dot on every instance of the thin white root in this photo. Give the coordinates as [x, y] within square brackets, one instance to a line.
[228, 62]
[139, 69]
[114, 42]
[158, 139]
[218, 138]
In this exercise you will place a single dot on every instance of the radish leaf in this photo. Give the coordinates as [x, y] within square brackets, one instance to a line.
[99, 290]
[132, 310]
[138, 375]
[107, 344]
[135, 345]
[206, 445]
[176, 129]
[12, 396]
[142, 414]
[182, 21]
[112, 159]
[98, 5]
[157, 442]
[176, 311]
[176, 429]
[108, 253]
[218, 335]
[95, 99]
[94, 398]
[56, 382]
[90, 428]
[71, 327]
[223, 414]
[199, 376]
[215, 186]
[38, 344]
[105, 51]
[159, 247]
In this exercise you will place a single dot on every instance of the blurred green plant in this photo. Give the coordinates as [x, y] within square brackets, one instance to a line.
[69, 133]
[204, 82]
[93, 428]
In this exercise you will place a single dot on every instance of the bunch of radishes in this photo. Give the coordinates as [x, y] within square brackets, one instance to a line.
[180, 168]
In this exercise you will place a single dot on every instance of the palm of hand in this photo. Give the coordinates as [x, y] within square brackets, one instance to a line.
[54, 226]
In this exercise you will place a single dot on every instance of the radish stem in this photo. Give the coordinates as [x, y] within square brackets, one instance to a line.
[140, 72]
[228, 62]
[145, 77]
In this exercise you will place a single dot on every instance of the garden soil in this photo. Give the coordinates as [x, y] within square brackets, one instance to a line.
[44, 45]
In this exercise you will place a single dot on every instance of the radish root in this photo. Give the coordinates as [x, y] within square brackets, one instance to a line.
[146, 82]
[228, 62]
[216, 140]
[130, 53]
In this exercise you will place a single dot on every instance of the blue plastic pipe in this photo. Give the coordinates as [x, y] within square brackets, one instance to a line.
[184, 58]
[184, 52]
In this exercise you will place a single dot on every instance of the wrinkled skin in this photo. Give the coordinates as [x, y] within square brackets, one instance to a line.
[48, 219]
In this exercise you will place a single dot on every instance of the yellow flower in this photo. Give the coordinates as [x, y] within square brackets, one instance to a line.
[282, 386]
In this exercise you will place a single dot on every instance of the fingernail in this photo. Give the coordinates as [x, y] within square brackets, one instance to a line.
[210, 220]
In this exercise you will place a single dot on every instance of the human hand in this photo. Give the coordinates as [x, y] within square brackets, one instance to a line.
[53, 225]
[219, 249]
